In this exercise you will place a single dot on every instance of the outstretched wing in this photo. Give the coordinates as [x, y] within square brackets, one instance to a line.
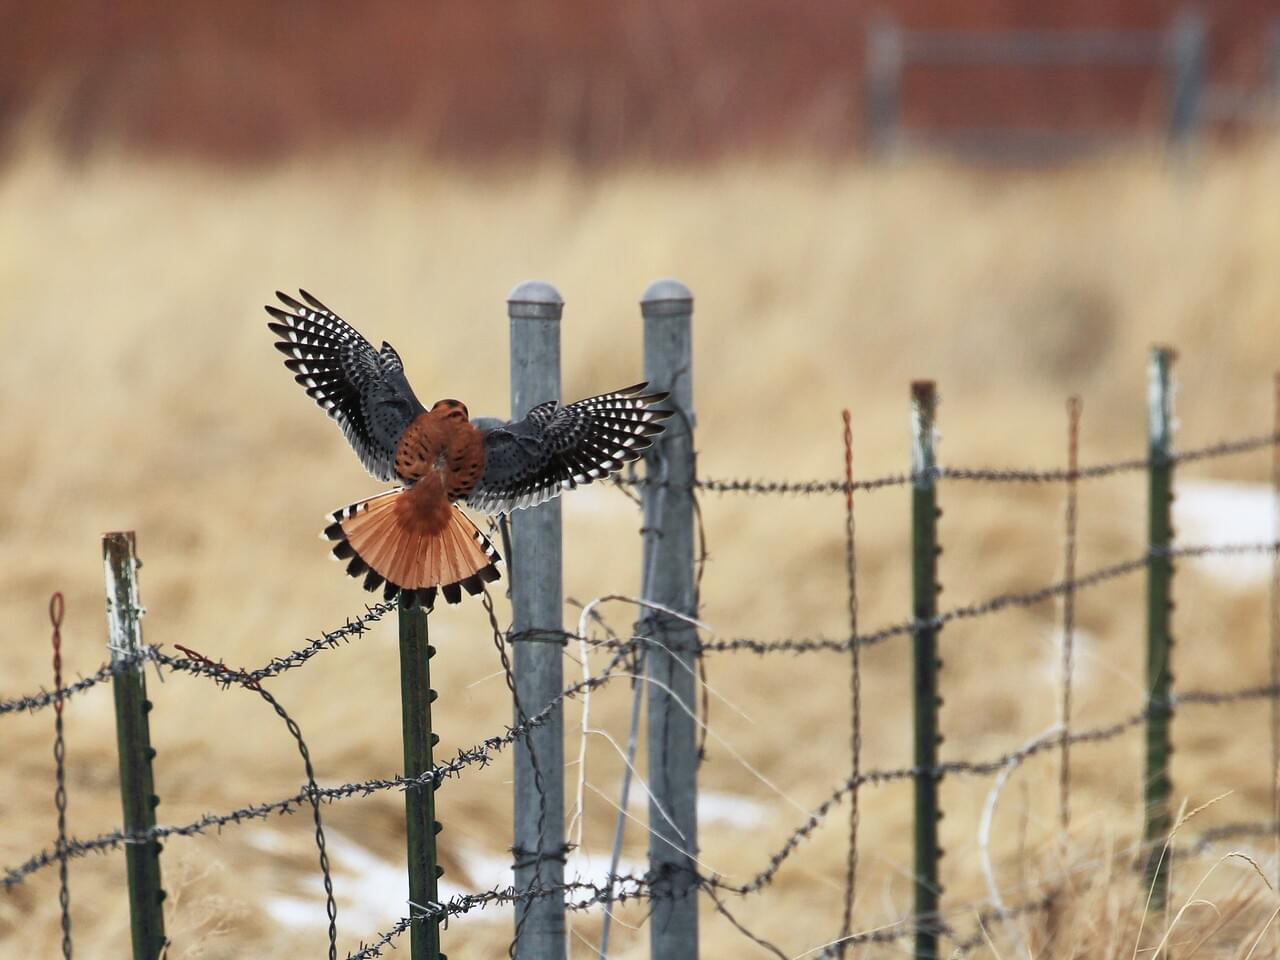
[557, 448]
[365, 390]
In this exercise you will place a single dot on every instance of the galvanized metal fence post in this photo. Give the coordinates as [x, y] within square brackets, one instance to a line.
[534, 309]
[667, 308]
[1158, 786]
[421, 827]
[133, 741]
[1186, 57]
[924, 583]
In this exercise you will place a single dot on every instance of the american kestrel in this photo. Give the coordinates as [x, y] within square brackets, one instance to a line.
[414, 540]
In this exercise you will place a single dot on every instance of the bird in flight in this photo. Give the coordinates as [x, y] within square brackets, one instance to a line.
[414, 540]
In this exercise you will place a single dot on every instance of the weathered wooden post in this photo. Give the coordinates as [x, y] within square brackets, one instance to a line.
[667, 308]
[133, 741]
[1186, 58]
[534, 309]
[924, 583]
[1157, 785]
[421, 827]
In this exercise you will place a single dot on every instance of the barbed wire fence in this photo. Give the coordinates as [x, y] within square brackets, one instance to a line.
[665, 658]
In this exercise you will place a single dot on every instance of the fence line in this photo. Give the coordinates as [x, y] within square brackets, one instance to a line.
[675, 649]
[973, 474]
[1180, 50]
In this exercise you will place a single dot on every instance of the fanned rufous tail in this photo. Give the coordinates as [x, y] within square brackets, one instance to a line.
[393, 544]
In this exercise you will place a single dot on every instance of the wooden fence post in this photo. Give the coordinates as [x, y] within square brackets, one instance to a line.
[421, 827]
[534, 309]
[133, 741]
[667, 308]
[1158, 786]
[924, 580]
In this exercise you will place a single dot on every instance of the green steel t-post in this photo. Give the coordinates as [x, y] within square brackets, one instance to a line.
[133, 741]
[924, 582]
[1159, 604]
[421, 827]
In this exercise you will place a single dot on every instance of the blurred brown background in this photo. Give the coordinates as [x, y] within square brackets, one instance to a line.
[589, 81]
[167, 166]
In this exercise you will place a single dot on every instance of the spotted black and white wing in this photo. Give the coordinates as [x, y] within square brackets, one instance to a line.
[363, 389]
[557, 448]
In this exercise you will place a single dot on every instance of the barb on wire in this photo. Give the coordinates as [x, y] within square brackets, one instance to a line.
[326, 641]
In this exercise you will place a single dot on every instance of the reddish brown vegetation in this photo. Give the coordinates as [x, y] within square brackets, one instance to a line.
[588, 79]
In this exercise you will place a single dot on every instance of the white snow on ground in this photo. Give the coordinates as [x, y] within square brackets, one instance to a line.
[1219, 512]
[1084, 646]
[373, 893]
[730, 810]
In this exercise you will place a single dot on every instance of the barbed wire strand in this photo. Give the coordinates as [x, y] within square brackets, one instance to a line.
[1096, 735]
[982, 608]
[479, 755]
[57, 607]
[970, 474]
[801, 645]
[855, 686]
[986, 767]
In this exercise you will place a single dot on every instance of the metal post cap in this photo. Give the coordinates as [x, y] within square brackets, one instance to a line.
[665, 297]
[534, 300]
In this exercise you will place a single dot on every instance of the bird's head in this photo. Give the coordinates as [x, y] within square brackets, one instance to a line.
[450, 410]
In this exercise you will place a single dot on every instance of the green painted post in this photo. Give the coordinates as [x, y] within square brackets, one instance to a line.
[421, 827]
[133, 742]
[924, 582]
[1158, 820]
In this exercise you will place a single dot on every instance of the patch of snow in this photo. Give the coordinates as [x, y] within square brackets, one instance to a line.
[1219, 512]
[484, 871]
[730, 809]
[295, 913]
[371, 892]
[1084, 648]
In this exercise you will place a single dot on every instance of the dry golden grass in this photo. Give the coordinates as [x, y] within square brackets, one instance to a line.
[140, 391]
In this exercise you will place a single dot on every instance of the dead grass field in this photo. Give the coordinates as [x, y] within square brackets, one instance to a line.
[140, 391]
